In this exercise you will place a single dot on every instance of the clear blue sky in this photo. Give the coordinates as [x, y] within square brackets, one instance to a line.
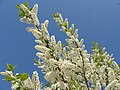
[97, 20]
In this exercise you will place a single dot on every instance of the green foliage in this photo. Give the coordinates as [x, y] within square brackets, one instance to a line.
[36, 61]
[60, 21]
[63, 23]
[9, 78]
[96, 46]
[10, 67]
[22, 76]
[56, 15]
[97, 54]
[48, 84]
[119, 65]
[21, 12]
[26, 4]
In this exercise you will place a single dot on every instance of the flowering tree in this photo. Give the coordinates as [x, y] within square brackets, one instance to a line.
[65, 67]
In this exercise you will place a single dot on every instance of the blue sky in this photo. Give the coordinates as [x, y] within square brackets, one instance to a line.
[97, 20]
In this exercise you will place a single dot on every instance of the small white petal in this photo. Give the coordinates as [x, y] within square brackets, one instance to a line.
[41, 48]
[40, 55]
[46, 23]
[25, 9]
[35, 9]
[26, 20]
[35, 19]
[53, 41]
[39, 42]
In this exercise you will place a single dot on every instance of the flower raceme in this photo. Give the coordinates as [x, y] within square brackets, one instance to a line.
[67, 67]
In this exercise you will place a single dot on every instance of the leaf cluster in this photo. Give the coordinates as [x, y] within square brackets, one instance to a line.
[21, 12]
[13, 77]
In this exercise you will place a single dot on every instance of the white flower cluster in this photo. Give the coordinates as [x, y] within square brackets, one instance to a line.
[19, 84]
[68, 67]
[31, 15]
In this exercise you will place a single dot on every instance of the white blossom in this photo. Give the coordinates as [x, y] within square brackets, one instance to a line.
[53, 41]
[35, 19]
[31, 17]
[112, 84]
[28, 83]
[35, 9]
[41, 48]
[61, 85]
[6, 73]
[25, 9]
[26, 20]
[50, 76]
[39, 42]
[15, 86]
[68, 67]
[46, 23]
[35, 80]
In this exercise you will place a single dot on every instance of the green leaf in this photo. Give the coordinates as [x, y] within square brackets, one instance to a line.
[66, 24]
[77, 84]
[73, 88]
[96, 60]
[48, 85]
[60, 24]
[101, 60]
[15, 66]
[93, 43]
[18, 6]
[10, 67]
[96, 44]
[56, 15]
[102, 57]
[111, 61]
[119, 65]
[26, 4]
[63, 45]
[100, 47]
[35, 61]
[23, 76]
[9, 78]
[21, 14]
